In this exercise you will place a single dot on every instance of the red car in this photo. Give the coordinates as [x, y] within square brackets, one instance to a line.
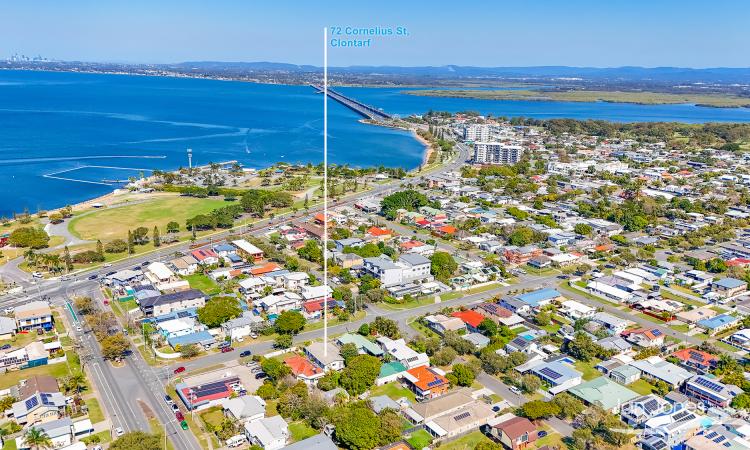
[227, 349]
[179, 416]
[179, 370]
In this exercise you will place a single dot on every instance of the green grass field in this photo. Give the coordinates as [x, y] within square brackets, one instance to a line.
[642, 98]
[95, 411]
[642, 387]
[58, 371]
[300, 431]
[202, 283]
[466, 442]
[392, 390]
[588, 370]
[113, 223]
[420, 439]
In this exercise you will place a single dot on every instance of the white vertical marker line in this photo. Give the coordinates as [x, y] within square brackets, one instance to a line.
[325, 191]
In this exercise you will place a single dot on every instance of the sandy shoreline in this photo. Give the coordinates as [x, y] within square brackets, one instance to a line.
[427, 146]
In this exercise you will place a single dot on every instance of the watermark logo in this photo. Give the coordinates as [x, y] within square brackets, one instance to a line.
[363, 37]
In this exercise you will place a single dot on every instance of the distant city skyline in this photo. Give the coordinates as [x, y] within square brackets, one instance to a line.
[582, 33]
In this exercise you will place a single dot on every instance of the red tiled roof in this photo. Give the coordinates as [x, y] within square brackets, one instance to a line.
[264, 268]
[447, 229]
[516, 427]
[411, 244]
[299, 365]
[426, 378]
[694, 355]
[202, 254]
[469, 317]
[648, 333]
[375, 231]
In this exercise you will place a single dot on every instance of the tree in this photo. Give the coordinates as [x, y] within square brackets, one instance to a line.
[131, 243]
[274, 368]
[36, 438]
[155, 236]
[329, 381]
[6, 402]
[116, 246]
[28, 237]
[462, 375]
[189, 351]
[99, 248]
[530, 383]
[358, 428]
[444, 356]
[409, 200]
[386, 327]
[84, 305]
[311, 251]
[67, 259]
[543, 318]
[173, 227]
[569, 406]
[742, 401]
[218, 310]
[360, 374]
[442, 265]
[283, 341]
[364, 329]
[114, 346]
[488, 327]
[348, 351]
[140, 235]
[539, 409]
[137, 440]
[583, 229]
[290, 322]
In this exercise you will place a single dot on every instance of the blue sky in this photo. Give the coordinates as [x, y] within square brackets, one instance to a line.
[599, 33]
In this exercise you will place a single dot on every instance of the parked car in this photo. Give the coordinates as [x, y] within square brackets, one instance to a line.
[254, 335]
[179, 370]
[5, 347]
[515, 390]
[175, 408]
[179, 416]
[541, 434]
[184, 425]
[168, 399]
[245, 353]
[227, 349]
[93, 277]
[119, 431]
[260, 375]
[37, 274]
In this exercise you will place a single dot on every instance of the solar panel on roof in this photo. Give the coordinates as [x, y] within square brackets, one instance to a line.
[709, 384]
[549, 373]
[46, 398]
[711, 435]
[461, 416]
[651, 405]
[720, 439]
[32, 402]
[681, 415]
[435, 382]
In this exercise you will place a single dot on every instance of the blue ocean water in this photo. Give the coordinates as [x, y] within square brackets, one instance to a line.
[111, 127]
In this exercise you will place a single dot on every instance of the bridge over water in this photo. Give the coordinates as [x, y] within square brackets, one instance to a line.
[367, 111]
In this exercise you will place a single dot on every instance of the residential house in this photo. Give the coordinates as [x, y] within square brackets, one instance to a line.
[316, 442]
[521, 255]
[613, 324]
[558, 374]
[426, 382]
[644, 337]
[325, 355]
[575, 310]
[185, 265]
[640, 409]
[695, 359]
[498, 314]
[440, 323]
[303, 369]
[516, 433]
[176, 301]
[34, 315]
[39, 408]
[695, 315]
[270, 433]
[364, 345]
[656, 368]
[718, 324]
[604, 393]
[540, 298]
[710, 391]
[472, 319]
[399, 351]
[625, 374]
[248, 251]
[7, 327]
[728, 287]
[243, 326]
[478, 340]
[670, 430]
[246, 408]
[205, 256]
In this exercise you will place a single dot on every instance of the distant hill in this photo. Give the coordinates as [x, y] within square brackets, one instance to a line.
[627, 73]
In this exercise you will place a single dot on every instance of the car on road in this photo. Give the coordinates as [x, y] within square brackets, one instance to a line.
[93, 277]
[9, 310]
[79, 328]
[37, 274]
[179, 370]
[245, 353]
[175, 408]
[105, 265]
[178, 415]
[109, 274]
[184, 425]
[5, 347]
[145, 263]
[515, 390]
[227, 349]
[260, 375]
[168, 399]
[119, 431]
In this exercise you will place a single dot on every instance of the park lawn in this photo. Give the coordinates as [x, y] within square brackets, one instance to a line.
[641, 386]
[392, 390]
[300, 431]
[203, 283]
[58, 371]
[587, 369]
[419, 439]
[95, 411]
[113, 223]
[684, 328]
[466, 442]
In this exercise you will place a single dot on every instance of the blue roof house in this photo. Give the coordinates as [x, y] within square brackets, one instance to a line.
[539, 297]
[718, 323]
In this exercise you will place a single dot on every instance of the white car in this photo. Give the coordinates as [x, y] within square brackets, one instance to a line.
[79, 328]
[515, 390]
[37, 274]
[119, 431]
[254, 335]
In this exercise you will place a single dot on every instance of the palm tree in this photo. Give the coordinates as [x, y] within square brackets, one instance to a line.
[37, 439]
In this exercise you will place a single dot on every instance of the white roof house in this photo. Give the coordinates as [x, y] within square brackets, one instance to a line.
[605, 290]
[247, 247]
[576, 310]
[403, 353]
[160, 271]
[270, 433]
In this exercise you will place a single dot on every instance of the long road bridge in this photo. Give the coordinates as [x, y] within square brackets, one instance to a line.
[355, 105]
